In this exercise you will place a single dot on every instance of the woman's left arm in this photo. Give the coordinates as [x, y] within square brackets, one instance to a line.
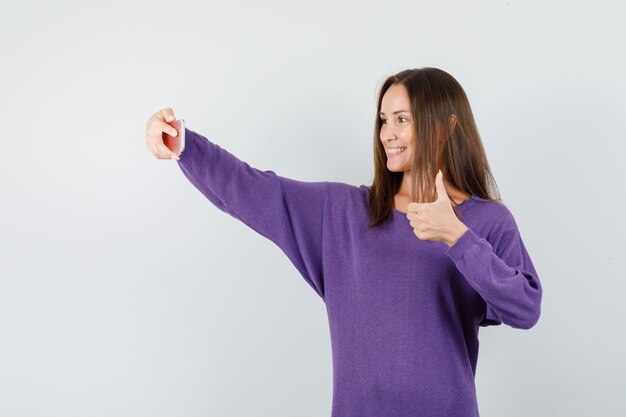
[503, 274]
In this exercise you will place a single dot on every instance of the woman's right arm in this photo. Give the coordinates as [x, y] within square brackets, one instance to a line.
[288, 212]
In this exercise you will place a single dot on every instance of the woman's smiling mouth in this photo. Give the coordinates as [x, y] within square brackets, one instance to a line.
[393, 152]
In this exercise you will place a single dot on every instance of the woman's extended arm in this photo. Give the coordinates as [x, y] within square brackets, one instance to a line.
[290, 213]
[502, 274]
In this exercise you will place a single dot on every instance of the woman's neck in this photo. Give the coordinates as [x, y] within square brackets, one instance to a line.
[404, 193]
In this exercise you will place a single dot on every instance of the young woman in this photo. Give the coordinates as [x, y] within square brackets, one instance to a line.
[410, 267]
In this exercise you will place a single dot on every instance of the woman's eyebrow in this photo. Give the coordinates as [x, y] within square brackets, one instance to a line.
[395, 112]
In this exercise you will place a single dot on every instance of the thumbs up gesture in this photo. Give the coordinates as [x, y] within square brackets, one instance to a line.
[436, 221]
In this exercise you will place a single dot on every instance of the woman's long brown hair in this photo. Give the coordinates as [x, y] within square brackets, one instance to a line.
[454, 147]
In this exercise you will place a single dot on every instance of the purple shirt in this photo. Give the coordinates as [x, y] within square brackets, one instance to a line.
[403, 313]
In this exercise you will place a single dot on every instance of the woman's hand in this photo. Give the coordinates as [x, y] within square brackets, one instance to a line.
[154, 133]
[436, 221]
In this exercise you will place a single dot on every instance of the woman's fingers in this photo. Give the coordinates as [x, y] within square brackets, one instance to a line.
[154, 133]
[164, 127]
[166, 152]
[159, 150]
[168, 114]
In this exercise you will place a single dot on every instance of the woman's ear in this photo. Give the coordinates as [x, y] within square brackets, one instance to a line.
[452, 121]
[451, 126]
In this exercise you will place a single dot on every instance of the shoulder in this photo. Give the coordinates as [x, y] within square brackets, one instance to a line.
[347, 198]
[490, 219]
[343, 190]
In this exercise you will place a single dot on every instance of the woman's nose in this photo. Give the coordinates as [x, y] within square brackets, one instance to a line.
[388, 132]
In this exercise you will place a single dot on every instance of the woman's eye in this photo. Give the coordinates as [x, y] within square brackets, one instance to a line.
[384, 121]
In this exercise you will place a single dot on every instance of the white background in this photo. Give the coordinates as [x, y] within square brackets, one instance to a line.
[124, 292]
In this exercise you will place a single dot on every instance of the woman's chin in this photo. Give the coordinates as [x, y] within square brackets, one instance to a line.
[394, 168]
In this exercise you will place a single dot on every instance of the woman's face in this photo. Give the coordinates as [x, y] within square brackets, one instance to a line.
[397, 131]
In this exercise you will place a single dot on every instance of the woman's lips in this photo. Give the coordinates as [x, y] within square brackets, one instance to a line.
[394, 154]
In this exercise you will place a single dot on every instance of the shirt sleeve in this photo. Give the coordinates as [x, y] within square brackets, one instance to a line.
[288, 212]
[503, 274]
